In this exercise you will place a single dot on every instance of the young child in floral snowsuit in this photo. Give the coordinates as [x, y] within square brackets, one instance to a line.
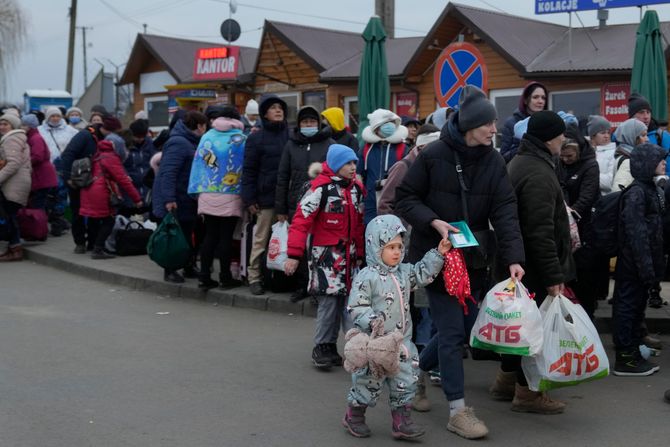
[332, 213]
[380, 296]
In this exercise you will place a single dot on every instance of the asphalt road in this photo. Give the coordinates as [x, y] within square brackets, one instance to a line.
[84, 363]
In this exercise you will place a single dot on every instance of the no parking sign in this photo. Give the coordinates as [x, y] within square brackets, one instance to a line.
[459, 64]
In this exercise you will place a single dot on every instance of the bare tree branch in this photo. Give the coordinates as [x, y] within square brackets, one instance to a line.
[12, 36]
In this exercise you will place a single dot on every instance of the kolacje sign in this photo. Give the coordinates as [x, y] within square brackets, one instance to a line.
[554, 6]
[213, 64]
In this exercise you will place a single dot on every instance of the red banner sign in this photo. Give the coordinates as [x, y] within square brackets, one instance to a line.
[614, 102]
[213, 64]
[406, 104]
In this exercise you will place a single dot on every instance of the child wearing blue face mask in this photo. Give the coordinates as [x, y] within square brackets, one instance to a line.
[384, 146]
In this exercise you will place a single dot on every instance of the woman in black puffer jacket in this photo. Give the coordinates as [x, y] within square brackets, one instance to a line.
[579, 176]
[308, 143]
[429, 197]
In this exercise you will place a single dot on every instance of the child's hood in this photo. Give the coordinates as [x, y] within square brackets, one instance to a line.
[643, 161]
[378, 233]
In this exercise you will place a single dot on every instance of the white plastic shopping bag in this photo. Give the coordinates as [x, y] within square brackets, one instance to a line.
[508, 322]
[278, 246]
[572, 352]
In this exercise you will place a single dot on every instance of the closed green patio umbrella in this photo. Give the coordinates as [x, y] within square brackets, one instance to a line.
[650, 76]
[373, 83]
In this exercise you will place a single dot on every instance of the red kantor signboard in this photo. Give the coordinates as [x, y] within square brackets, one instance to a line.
[213, 64]
[614, 102]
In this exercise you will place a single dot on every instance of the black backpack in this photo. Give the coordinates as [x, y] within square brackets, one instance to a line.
[605, 222]
[81, 174]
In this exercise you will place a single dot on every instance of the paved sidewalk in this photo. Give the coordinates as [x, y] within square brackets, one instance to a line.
[138, 272]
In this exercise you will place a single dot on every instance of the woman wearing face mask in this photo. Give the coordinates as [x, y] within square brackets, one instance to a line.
[56, 133]
[74, 116]
[308, 143]
[384, 147]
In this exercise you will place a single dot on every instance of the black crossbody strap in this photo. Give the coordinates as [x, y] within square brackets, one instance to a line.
[464, 187]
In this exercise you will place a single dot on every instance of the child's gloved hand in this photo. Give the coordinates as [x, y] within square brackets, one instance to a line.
[444, 246]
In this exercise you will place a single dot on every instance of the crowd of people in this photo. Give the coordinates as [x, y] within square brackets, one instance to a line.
[353, 209]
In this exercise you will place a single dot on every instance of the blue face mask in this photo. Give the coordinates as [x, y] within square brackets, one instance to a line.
[75, 119]
[309, 131]
[387, 129]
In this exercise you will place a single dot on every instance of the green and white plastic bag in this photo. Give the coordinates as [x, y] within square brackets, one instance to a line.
[572, 352]
[508, 322]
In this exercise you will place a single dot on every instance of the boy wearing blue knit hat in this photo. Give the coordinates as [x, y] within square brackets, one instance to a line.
[331, 212]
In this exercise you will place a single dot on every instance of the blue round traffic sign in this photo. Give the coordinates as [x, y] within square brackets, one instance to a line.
[459, 64]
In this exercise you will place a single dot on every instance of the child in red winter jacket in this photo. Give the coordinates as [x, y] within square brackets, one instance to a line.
[107, 172]
[331, 212]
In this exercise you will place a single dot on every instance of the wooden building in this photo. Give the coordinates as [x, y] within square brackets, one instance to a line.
[168, 73]
[320, 67]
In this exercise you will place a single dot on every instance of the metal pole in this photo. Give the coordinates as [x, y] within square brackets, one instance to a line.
[116, 91]
[70, 46]
[570, 37]
[83, 32]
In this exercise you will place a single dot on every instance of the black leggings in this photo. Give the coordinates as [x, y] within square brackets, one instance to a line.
[218, 237]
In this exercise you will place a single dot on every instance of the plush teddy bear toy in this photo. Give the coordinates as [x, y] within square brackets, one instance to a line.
[384, 355]
[355, 350]
[380, 353]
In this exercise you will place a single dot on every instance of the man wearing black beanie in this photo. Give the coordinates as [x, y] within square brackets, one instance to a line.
[639, 108]
[546, 237]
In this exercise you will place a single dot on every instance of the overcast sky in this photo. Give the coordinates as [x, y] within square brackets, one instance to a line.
[115, 24]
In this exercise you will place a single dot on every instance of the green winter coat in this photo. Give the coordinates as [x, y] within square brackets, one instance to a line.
[542, 217]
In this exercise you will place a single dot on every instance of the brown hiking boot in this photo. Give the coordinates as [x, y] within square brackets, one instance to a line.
[466, 424]
[527, 401]
[503, 387]
[354, 421]
[421, 402]
[12, 254]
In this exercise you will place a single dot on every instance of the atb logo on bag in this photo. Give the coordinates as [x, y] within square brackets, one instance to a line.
[274, 248]
[504, 334]
[588, 360]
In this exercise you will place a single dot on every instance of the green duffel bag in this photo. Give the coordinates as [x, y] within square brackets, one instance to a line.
[168, 246]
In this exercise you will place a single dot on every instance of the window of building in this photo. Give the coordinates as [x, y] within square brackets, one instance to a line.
[314, 99]
[580, 103]
[293, 103]
[351, 113]
[157, 110]
[506, 102]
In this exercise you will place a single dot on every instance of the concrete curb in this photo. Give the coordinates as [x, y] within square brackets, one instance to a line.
[658, 320]
[238, 297]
